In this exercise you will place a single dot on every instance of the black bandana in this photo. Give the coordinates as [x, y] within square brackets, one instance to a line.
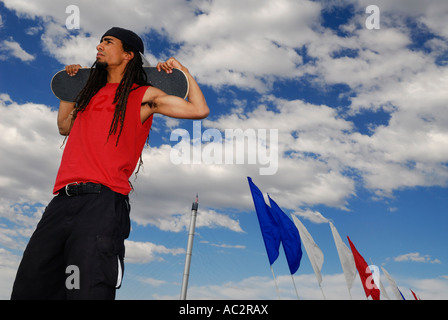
[126, 36]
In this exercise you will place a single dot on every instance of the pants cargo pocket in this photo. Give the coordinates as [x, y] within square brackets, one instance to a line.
[110, 266]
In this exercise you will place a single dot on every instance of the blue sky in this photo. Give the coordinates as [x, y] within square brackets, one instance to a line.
[362, 123]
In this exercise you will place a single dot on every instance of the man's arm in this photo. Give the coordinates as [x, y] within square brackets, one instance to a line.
[159, 102]
[65, 116]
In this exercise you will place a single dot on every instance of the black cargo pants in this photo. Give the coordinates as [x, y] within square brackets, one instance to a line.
[77, 249]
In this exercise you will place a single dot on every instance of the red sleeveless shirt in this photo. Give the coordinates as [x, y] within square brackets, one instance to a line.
[91, 156]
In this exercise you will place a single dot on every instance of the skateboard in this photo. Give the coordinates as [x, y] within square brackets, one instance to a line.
[66, 88]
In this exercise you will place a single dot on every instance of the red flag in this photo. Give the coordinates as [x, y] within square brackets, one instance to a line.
[365, 274]
[415, 296]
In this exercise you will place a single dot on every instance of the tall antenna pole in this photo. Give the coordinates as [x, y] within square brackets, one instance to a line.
[194, 212]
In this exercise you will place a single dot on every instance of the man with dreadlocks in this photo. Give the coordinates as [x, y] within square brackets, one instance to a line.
[77, 249]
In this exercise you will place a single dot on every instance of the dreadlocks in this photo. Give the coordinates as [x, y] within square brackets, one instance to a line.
[133, 73]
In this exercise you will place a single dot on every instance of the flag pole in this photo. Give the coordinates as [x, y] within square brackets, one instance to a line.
[194, 212]
[297, 294]
[350, 293]
[321, 290]
[275, 281]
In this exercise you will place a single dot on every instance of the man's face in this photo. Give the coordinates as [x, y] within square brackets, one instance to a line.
[110, 52]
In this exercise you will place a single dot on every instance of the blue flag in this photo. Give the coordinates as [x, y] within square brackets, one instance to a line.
[289, 236]
[268, 224]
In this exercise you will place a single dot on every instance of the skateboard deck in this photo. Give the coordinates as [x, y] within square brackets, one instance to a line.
[66, 88]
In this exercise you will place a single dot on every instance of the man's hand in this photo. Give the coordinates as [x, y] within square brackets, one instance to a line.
[72, 69]
[169, 65]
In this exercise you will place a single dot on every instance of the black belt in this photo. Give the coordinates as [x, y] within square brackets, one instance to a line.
[74, 189]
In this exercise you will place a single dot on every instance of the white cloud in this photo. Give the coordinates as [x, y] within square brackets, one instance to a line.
[334, 288]
[313, 216]
[152, 282]
[30, 143]
[8, 269]
[205, 218]
[432, 13]
[30, 138]
[11, 48]
[68, 48]
[411, 149]
[245, 43]
[416, 257]
[429, 289]
[227, 246]
[145, 252]
[33, 30]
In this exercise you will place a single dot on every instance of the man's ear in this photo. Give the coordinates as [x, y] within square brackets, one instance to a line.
[129, 55]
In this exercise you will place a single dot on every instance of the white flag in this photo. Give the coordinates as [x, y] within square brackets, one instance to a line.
[383, 292]
[393, 284]
[313, 251]
[346, 257]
